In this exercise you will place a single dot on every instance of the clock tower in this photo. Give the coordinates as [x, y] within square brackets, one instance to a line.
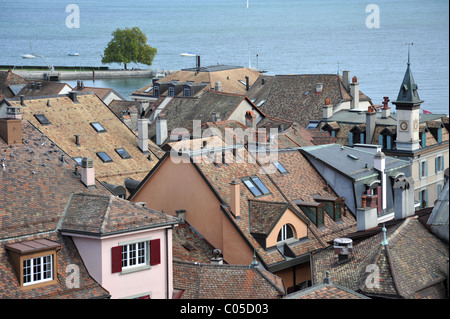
[408, 106]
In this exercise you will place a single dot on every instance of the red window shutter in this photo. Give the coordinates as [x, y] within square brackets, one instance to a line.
[116, 259]
[155, 252]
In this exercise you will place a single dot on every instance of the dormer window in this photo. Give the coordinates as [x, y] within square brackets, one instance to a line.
[34, 261]
[42, 119]
[98, 127]
[255, 185]
[286, 232]
[171, 91]
[186, 92]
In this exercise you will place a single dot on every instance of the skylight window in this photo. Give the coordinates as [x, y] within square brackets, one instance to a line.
[280, 167]
[42, 119]
[255, 185]
[312, 125]
[98, 127]
[124, 154]
[78, 160]
[104, 157]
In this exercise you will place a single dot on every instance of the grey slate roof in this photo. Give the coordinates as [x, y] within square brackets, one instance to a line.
[351, 161]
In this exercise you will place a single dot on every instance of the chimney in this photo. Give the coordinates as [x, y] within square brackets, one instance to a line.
[213, 117]
[403, 197]
[366, 216]
[354, 92]
[32, 85]
[11, 130]
[235, 198]
[218, 86]
[22, 98]
[180, 213]
[161, 130]
[379, 163]
[346, 80]
[217, 259]
[327, 109]
[142, 126]
[198, 62]
[73, 96]
[81, 85]
[371, 116]
[87, 172]
[38, 85]
[14, 112]
[386, 110]
[247, 83]
[343, 249]
[263, 81]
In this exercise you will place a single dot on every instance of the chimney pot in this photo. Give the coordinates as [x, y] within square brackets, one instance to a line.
[180, 213]
[87, 172]
[343, 248]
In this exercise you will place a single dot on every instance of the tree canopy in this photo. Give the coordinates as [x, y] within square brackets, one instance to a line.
[128, 45]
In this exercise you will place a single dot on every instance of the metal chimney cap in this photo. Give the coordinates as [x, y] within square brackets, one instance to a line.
[343, 241]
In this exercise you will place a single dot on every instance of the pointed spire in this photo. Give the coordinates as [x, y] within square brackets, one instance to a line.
[254, 263]
[408, 93]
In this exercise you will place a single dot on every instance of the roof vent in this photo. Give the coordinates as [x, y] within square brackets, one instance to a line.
[343, 248]
[217, 259]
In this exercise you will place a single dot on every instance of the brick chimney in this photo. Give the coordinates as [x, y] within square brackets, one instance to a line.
[386, 110]
[235, 203]
[327, 109]
[87, 172]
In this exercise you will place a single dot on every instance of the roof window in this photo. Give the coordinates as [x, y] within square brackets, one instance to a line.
[255, 185]
[104, 157]
[124, 154]
[98, 127]
[42, 119]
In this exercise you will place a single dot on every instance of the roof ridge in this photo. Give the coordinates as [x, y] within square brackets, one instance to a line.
[106, 215]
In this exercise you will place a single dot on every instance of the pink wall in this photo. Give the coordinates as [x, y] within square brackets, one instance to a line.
[151, 281]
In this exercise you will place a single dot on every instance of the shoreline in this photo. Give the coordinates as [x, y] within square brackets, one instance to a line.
[93, 74]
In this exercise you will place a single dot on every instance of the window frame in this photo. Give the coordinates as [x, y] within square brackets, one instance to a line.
[283, 233]
[33, 272]
[103, 160]
[98, 130]
[277, 165]
[254, 182]
[120, 153]
[140, 258]
[42, 119]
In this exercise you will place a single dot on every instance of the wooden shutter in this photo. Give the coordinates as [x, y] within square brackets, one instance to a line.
[116, 253]
[155, 251]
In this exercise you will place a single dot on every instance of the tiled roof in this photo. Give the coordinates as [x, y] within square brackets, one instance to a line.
[263, 215]
[8, 78]
[207, 281]
[219, 176]
[229, 77]
[189, 245]
[294, 97]
[107, 214]
[66, 256]
[413, 262]
[69, 119]
[181, 111]
[326, 291]
[303, 182]
[45, 88]
[35, 184]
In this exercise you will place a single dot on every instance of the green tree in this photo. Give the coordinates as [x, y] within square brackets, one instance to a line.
[128, 45]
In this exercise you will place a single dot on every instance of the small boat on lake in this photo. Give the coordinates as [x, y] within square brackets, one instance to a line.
[73, 53]
[188, 54]
[28, 56]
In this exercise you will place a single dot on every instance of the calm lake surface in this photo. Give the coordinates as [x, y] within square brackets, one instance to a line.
[278, 36]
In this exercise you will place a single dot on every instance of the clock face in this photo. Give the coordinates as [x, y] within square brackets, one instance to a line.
[404, 126]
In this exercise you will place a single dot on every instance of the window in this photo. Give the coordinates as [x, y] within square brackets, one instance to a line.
[385, 141]
[255, 185]
[314, 213]
[36, 270]
[98, 127]
[439, 164]
[136, 255]
[171, 91]
[42, 119]
[124, 154]
[280, 168]
[156, 91]
[78, 159]
[423, 198]
[285, 233]
[312, 125]
[104, 157]
[423, 169]
[187, 92]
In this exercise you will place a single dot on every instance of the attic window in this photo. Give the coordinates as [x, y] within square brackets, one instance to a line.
[286, 232]
[104, 157]
[42, 119]
[124, 154]
[98, 127]
[255, 185]
[312, 125]
[34, 261]
[280, 168]
[261, 102]
[78, 160]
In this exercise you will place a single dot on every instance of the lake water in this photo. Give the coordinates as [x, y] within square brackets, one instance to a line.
[278, 36]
